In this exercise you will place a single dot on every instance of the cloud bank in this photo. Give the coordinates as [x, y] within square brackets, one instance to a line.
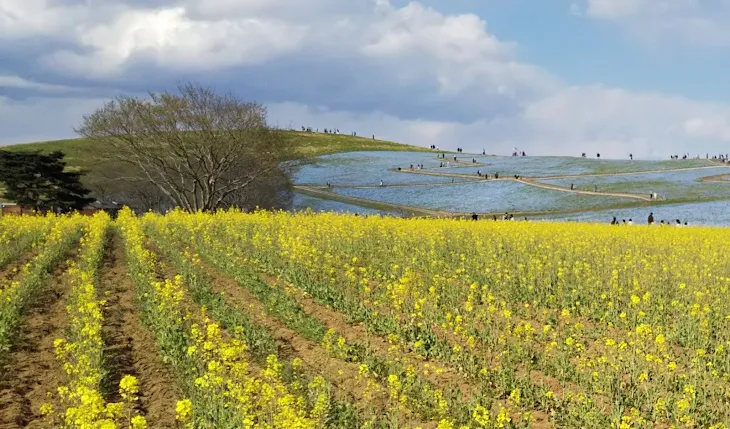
[411, 73]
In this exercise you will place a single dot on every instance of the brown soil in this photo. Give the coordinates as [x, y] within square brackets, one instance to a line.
[316, 360]
[358, 334]
[130, 349]
[31, 370]
[718, 178]
[379, 344]
[449, 376]
[11, 270]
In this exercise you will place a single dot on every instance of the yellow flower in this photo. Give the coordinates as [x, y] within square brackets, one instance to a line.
[128, 388]
[138, 422]
[47, 409]
[183, 410]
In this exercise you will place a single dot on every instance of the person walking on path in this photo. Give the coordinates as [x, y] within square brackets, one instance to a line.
[381, 183]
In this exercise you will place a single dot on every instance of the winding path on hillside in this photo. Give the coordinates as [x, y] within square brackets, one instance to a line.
[580, 191]
[530, 181]
[326, 191]
[718, 178]
[398, 185]
[329, 195]
[534, 181]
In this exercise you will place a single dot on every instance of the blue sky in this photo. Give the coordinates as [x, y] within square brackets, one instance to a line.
[559, 77]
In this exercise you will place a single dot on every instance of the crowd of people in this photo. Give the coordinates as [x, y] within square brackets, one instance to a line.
[510, 217]
[650, 221]
[334, 131]
[506, 217]
[677, 222]
[724, 158]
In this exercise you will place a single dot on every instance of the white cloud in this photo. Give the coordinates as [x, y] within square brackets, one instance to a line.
[10, 81]
[710, 127]
[691, 22]
[617, 9]
[170, 38]
[578, 119]
[409, 73]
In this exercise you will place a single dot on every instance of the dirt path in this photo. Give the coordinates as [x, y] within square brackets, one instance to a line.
[323, 191]
[582, 192]
[404, 185]
[534, 181]
[130, 349]
[718, 178]
[394, 207]
[31, 370]
[437, 173]
[458, 163]
[526, 181]
[442, 213]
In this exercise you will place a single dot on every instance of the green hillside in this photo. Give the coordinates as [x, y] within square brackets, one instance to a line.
[90, 157]
[87, 155]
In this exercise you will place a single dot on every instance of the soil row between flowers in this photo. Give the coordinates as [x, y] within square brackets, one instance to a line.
[438, 374]
[292, 345]
[31, 370]
[129, 347]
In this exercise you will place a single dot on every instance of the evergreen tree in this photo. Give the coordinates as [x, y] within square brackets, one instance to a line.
[38, 181]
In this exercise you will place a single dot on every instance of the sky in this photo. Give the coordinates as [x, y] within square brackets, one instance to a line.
[559, 77]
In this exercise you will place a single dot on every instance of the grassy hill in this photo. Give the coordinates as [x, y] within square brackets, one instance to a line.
[81, 153]
[86, 155]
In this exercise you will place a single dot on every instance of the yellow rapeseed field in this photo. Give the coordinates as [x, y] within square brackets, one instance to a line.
[278, 320]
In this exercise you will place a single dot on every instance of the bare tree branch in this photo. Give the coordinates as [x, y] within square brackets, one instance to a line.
[198, 147]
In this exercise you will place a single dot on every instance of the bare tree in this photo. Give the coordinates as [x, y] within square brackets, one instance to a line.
[201, 149]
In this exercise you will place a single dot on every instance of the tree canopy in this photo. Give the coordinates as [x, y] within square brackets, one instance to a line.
[198, 149]
[39, 181]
